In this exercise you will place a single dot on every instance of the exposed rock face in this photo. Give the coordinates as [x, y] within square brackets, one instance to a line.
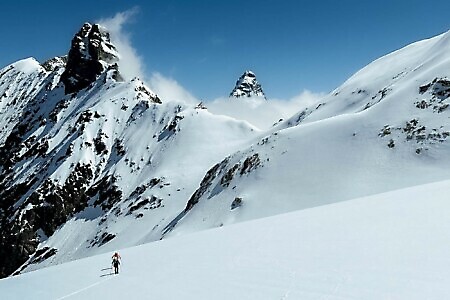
[247, 86]
[40, 214]
[91, 53]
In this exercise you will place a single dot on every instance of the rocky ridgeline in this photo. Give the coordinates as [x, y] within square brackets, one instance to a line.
[247, 86]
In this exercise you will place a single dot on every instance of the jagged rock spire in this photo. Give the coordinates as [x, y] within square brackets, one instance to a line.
[91, 53]
[247, 86]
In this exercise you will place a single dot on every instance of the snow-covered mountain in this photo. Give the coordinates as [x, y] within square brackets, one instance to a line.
[247, 86]
[90, 163]
[386, 128]
[83, 151]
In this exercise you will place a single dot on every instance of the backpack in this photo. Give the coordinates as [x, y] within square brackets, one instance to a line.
[115, 262]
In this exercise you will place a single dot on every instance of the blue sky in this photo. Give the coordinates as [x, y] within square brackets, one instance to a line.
[204, 46]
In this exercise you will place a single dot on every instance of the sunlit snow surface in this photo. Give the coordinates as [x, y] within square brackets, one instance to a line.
[388, 246]
[341, 149]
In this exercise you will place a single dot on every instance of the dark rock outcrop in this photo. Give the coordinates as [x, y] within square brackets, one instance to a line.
[43, 210]
[91, 53]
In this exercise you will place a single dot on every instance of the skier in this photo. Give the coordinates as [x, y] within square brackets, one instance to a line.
[116, 262]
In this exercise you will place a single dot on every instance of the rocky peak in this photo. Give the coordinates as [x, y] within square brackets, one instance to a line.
[247, 86]
[90, 54]
[55, 63]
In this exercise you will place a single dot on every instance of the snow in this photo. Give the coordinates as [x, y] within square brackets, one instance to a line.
[316, 164]
[27, 65]
[387, 246]
[178, 157]
[399, 73]
[365, 226]
[336, 152]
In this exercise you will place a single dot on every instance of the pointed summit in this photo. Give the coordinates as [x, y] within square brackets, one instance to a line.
[91, 53]
[247, 86]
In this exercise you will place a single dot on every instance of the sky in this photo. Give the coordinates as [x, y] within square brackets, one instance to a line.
[201, 47]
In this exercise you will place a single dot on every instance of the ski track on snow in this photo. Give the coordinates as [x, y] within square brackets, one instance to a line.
[84, 289]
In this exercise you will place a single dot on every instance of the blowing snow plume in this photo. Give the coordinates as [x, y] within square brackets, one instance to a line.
[130, 63]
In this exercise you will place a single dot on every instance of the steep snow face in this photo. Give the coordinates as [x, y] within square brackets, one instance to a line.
[386, 128]
[154, 165]
[388, 246]
[19, 83]
[43, 177]
[247, 86]
[149, 163]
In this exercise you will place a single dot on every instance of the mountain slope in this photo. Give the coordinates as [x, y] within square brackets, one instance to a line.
[390, 78]
[382, 130]
[90, 163]
[81, 146]
[387, 246]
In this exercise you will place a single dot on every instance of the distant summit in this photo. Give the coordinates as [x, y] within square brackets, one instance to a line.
[247, 86]
[90, 54]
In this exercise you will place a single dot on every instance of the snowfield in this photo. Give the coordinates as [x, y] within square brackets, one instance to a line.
[387, 246]
[345, 199]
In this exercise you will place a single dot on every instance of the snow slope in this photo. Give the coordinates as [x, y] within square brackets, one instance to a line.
[90, 163]
[394, 78]
[387, 246]
[166, 149]
[386, 128]
[82, 150]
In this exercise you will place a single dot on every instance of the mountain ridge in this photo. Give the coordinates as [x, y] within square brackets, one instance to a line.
[369, 136]
[106, 150]
[84, 169]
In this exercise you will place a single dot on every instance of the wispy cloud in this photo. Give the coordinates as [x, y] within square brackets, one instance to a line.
[130, 63]
[259, 112]
[170, 90]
